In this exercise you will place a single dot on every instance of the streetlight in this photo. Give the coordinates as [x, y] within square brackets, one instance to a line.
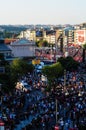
[0, 97]
[65, 79]
[56, 126]
[56, 110]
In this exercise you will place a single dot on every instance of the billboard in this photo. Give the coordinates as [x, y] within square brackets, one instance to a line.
[80, 35]
[35, 62]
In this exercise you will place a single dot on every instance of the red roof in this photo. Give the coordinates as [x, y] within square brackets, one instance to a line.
[8, 41]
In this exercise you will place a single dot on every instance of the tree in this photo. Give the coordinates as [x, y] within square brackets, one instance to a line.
[68, 63]
[30, 68]
[42, 43]
[37, 43]
[4, 75]
[52, 72]
[45, 43]
[19, 68]
[84, 49]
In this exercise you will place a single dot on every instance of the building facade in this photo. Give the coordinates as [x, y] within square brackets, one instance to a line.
[23, 48]
[4, 49]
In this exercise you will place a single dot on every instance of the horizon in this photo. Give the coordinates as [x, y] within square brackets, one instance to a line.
[40, 24]
[50, 12]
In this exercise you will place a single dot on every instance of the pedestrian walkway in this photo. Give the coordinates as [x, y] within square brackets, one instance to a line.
[25, 122]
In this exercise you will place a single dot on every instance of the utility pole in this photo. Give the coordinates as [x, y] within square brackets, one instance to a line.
[56, 110]
[64, 79]
[1, 97]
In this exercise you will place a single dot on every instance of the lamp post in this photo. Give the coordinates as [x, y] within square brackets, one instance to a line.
[65, 79]
[1, 97]
[56, 110]
[56, 126]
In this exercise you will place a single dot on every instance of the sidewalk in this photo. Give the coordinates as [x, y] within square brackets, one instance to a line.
[22, 124]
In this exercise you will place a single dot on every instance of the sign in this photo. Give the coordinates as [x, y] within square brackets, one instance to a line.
[80, 36]
[35, 62]
[81, 39]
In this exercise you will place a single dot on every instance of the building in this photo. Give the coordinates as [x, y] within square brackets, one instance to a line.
[37, 35]
[9, 40]
[59, 32]
[50, 38]
[23, 48]
[68, 35]
[5, 50]
[28, 34]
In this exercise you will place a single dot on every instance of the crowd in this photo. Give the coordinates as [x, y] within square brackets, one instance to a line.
[71, 113]
[11, 106]
[71, 104]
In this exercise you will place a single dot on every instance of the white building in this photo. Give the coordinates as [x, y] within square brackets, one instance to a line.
[50, 38]
[23, 48]
[28, 34]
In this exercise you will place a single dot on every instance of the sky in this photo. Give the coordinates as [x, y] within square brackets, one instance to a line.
[42, 12]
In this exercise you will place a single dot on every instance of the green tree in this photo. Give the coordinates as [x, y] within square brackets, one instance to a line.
[42, 43]
[68, 63]
[52, 73]
[37, 43]
[45, 43]
[4, 76]
[30, 68]
[13, 72]
[19, 68]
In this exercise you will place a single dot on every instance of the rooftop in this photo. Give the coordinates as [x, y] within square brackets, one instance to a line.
[4, 47]
[22, 41]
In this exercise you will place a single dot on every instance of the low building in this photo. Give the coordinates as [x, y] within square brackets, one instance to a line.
[23, 48]
[4, 49]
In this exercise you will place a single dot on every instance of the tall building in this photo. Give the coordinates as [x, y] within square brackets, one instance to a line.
[28, 34]
[58, 33]
[68, 35]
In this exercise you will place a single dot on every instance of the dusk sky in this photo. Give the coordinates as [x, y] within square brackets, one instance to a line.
[42, 11]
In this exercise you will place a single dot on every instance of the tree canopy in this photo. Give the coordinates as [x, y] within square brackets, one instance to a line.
[42, 43]
[84, 46]
[68, 63]
[19, 68]
[52, 72]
